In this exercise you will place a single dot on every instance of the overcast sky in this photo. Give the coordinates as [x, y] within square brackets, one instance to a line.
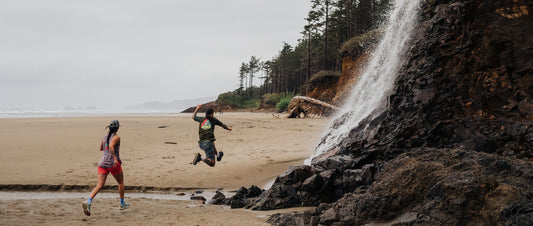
[111, 54]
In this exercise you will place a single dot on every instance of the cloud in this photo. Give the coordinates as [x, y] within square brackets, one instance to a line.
[70, 52]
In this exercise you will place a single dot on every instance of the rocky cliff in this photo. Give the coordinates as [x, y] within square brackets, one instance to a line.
[455, 144]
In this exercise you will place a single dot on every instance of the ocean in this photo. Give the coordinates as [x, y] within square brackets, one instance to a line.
[32, 113]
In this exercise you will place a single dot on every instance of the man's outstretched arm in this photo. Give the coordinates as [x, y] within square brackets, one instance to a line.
[226, 127]
[196, 111]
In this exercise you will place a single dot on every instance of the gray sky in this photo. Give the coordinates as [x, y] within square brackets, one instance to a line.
[110, 54]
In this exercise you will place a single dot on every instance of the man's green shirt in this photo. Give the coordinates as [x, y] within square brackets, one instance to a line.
[206, 130]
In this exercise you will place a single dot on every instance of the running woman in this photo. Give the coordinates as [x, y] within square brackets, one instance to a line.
[110, 163]
[206, 132]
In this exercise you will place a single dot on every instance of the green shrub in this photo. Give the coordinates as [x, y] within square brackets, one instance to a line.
[271, 98]
[283, 104]
[229, 98]
[280, 100]
[251, 103]
[357, 44]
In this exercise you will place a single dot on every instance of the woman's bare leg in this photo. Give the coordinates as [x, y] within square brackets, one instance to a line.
[101, 181]
[120, 180]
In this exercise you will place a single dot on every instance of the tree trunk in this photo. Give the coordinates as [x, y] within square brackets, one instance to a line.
[326, 36]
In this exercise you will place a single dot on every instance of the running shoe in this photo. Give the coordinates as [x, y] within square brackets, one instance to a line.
[125, 206]
[197, 158]
[219, 156]
[86, 208]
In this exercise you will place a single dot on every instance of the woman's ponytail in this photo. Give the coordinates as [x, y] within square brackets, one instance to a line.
[111, 131]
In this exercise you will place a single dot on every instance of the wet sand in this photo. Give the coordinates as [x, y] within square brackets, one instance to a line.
[64, 151]
[142, 212]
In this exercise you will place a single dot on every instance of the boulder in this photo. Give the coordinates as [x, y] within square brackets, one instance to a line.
[217, 199]
[279, 196]
[244, 197]
[295, 175]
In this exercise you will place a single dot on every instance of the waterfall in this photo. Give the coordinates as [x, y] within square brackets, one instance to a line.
[368, 97]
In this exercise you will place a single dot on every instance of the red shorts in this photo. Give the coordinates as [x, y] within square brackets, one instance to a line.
[113, 170]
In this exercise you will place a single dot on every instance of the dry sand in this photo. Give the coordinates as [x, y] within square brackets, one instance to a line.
[65, 151]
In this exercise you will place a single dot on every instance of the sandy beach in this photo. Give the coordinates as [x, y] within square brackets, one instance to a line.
[156, 151]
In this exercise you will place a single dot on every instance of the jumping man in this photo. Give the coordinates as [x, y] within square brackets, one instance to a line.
[206, 131]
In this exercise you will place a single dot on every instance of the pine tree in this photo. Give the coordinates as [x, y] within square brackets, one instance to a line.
[253, 67]
[242, 76]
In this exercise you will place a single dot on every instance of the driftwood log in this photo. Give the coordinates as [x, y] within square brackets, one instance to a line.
[308, 106]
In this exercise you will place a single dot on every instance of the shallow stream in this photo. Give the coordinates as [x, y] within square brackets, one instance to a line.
[18, 195]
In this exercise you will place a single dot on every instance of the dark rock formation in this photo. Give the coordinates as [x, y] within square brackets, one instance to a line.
[217, 199]
[244, 197]
[443, 186]
[455, 144]
[217, 107]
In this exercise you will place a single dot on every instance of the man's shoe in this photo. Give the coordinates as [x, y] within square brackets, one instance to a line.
[125, 206]
[86, 208]
[219, 156]
[197, 158]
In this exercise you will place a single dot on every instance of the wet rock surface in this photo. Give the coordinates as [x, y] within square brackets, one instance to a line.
[244, 197]
[218, 199]
[455, 145]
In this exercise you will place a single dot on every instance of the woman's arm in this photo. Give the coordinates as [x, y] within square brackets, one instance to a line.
[114, 141]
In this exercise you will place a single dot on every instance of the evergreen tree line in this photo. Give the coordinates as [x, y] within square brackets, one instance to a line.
[330, 23]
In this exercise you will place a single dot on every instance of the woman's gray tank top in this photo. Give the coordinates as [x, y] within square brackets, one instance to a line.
[107, 159]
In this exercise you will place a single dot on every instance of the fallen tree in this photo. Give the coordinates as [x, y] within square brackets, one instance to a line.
[309, 106]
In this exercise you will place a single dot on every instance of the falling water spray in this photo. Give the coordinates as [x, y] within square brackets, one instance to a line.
[368, 96]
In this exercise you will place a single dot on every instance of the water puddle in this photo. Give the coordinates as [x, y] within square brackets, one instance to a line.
[17, 195]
